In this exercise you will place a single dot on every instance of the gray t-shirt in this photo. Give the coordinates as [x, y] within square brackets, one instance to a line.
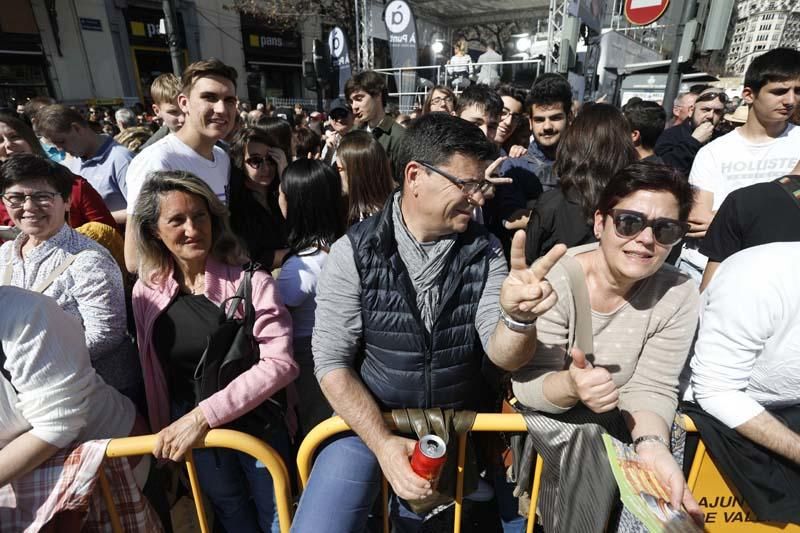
[338, 327]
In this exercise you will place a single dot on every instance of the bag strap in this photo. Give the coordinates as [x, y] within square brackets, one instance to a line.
[40, 288]
[791, 184]
[244, 295]
[584, 338]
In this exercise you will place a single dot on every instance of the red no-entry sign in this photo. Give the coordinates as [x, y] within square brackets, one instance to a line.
[644, 11]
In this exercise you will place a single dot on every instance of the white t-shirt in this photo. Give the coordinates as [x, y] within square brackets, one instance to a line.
[170, 153]
[297, 284]
[732, 162]
[747, 355]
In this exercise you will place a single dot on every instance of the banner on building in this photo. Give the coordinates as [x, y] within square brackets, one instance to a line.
[402, 31]
[340, 60]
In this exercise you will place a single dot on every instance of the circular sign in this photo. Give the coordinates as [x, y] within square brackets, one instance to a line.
[336, 42]
[397, 16]
[644, 12]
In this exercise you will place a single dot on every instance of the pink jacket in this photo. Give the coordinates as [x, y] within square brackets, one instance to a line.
[272, 331]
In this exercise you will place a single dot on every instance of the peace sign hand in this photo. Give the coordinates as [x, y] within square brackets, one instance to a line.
[526, 294]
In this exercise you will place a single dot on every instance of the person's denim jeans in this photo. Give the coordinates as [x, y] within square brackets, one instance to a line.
[239, 487]
[344, 483]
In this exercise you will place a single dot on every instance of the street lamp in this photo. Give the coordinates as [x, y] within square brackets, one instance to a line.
[437, 47]
[523, 43]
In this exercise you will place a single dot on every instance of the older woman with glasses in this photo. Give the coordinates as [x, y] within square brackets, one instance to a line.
[51, 258]
[643, 315]
[258, 163]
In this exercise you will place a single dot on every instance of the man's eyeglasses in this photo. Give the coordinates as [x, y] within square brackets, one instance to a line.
[711, 96]
[40, 198]
[667, 231]
[467, 187]
[439, 100]
[256, 161]
[505, 113]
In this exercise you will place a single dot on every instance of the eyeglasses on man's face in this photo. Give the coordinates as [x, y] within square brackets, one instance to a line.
[469, 188]
[506, 113]
[439, 100]
[40, 198]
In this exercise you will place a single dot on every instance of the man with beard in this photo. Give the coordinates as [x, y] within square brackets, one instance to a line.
[208, 101]
[550, 104]
[679, 145]
[367, 93]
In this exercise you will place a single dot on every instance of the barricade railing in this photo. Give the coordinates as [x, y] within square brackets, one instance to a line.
[216, 438]
[724, 509]
[484, 422]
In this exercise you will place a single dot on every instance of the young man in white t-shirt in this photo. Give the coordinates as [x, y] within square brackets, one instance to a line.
[766, 147]
[208, 101]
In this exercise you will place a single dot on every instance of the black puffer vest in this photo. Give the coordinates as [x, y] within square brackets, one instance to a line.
[401, 363]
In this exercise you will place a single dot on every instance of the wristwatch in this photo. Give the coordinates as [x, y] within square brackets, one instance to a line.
[650, 438]
[515, 325]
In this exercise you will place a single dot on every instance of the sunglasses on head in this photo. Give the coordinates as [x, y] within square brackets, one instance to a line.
[666, 231]
[711, 96]
[256, 161]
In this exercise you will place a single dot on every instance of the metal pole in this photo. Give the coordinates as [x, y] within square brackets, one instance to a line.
[674, 76]
[168, 7]
[358, 34]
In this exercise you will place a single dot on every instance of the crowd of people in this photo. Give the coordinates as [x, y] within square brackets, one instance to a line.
[376, 261]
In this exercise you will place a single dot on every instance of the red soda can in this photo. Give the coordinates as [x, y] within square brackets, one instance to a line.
[429, 457]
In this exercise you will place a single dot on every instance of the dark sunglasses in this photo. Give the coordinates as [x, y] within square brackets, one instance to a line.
[256, 161]
[667, 231]
[710, 97]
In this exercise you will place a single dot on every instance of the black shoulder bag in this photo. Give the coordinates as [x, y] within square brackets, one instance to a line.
[231, 350]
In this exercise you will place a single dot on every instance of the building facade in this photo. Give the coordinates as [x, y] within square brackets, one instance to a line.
[762, 25]
[107, 52]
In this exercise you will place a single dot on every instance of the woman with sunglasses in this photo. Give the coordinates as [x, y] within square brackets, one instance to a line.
[258, 164]
[643, 316]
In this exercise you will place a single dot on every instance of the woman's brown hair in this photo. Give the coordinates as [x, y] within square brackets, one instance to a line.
[369, 174]
[596, 146]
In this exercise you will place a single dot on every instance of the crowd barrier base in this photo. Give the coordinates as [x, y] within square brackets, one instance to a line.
[216, 438]
[724, 510]
[484, 422]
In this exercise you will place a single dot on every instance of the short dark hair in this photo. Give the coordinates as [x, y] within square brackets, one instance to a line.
[481, 96]
[368, 81]
[509, 90]
[208, 67]
[436, 137]
[646, 176]
[594, 148]
[313, 193]
[306, 142]
[549, 89]
[780, 64]
[58, 118]
[20, 168]
[648, 118]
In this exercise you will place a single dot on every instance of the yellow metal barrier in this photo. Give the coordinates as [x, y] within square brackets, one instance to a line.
[484, 422]
[216, 438]
[724, 511]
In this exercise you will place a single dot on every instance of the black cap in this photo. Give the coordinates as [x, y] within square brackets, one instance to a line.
[339, 103]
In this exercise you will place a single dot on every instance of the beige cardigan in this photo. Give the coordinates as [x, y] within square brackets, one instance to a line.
[644, 343]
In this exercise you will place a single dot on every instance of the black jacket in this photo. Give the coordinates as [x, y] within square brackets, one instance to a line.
[677, 148]
[402, 364]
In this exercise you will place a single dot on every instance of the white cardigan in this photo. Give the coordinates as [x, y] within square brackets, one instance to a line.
[58, 396]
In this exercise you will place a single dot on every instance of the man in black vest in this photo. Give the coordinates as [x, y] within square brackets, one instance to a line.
[409, 303]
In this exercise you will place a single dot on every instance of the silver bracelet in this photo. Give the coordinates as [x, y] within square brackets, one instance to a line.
[516, 325]
[650, 438]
